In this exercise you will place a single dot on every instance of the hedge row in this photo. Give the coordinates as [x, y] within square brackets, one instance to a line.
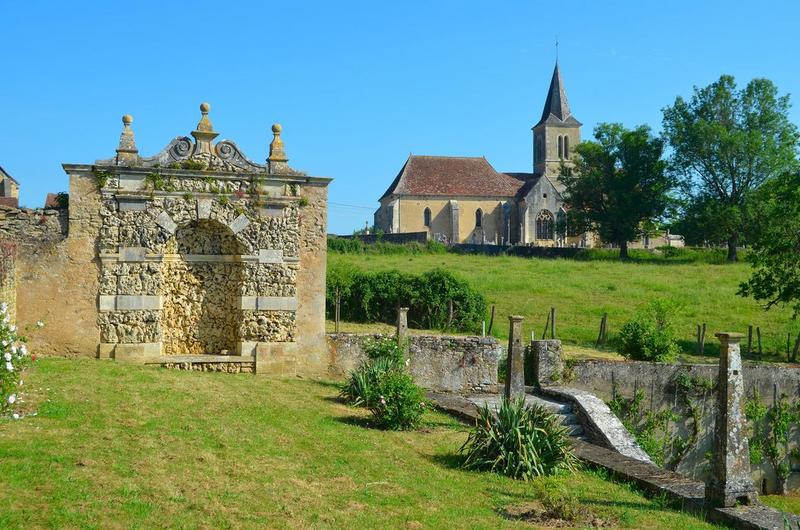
[375, 297]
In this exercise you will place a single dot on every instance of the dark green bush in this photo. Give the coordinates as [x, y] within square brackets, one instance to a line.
[398, 402]
[650, 336]
[519, 441]
[375, 297]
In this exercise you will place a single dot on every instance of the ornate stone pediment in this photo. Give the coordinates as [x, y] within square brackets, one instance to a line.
[199, 152]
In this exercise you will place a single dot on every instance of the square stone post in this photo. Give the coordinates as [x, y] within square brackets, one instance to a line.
[547, 363]
[402, 325]
[515, 367]
[730, 482]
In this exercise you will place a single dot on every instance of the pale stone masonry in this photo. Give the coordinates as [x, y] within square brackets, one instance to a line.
[194, 251]
[402, 325]
[515, 367]
[730, 483]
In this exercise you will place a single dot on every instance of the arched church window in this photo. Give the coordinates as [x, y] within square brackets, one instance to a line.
[544, 225]
[478, 218]
[560, 147]
[427, 217]
[566, 147]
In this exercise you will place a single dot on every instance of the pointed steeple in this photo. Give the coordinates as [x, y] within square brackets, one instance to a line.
[556, 104]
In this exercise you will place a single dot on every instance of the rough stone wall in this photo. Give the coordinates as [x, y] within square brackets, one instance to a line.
[658, 383]
[8, 277]
[438, 363]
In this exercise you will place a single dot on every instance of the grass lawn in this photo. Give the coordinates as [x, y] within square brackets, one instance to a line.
[116, 446]
[581, 291]
[785, 503]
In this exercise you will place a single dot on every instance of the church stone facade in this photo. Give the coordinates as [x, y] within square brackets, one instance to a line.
[465, 200]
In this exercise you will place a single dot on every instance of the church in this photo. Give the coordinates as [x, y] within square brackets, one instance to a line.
[466, 200]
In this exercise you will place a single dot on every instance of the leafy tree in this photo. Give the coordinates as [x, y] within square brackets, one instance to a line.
[705, 221]
[619, 184]
[726, 142]
[775, 239]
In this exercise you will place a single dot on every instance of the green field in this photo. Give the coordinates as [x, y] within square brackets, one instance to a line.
[119, 446]
[582, 290]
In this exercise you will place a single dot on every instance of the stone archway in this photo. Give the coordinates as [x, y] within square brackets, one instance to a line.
[202, 282]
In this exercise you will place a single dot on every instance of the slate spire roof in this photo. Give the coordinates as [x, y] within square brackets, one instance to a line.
[556, 107]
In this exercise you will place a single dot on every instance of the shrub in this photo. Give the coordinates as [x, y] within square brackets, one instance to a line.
[14, 360]
[375, 297]
[519, 441]
[383, 355]
[649, 336]
[387, 349]
[359, 390]
[399, 403]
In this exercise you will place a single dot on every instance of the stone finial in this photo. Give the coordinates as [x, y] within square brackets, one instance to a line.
[730, 482]
[276, 152]
[204, 133]
[515, 368]
[277, 161]
[127, 153]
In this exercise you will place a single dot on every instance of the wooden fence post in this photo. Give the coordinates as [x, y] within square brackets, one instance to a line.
[703, 340]
[552, 322]
[546, 326]
[758, 337]
[337, 309]
[491, 321]
[749, 339]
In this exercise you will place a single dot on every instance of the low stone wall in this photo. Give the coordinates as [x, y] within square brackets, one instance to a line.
[33, 228]
[658, 380]
[398, 239]
[658, 383]
[438, 363]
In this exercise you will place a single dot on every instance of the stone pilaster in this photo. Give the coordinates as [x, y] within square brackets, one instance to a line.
[547, 362]
[454, 227]
[730, 482]
[402, 325]
[515, 368]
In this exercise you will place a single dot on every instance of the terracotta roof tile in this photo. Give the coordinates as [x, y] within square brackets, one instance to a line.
[452, 177]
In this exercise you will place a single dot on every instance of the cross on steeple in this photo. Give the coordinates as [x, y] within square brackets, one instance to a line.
[556, 48]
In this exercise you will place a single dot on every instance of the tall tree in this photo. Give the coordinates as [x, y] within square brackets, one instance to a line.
[618, 185]
[726, 142]
[775, 238]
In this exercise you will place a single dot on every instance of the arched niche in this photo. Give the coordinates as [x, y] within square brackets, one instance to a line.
[202, 289]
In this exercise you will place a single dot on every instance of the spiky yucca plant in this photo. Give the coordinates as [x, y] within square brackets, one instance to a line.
[519, 441]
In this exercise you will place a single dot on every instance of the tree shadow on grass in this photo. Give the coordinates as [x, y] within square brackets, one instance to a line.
[449, 461]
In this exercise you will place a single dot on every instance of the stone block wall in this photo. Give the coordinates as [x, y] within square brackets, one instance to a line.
[438, 363]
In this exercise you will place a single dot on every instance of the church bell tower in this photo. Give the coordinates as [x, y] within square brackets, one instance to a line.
[557, 133]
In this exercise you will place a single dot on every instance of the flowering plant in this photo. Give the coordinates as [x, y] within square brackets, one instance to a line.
[14, 358]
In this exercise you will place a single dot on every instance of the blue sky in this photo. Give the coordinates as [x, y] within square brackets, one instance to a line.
[359, 85]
